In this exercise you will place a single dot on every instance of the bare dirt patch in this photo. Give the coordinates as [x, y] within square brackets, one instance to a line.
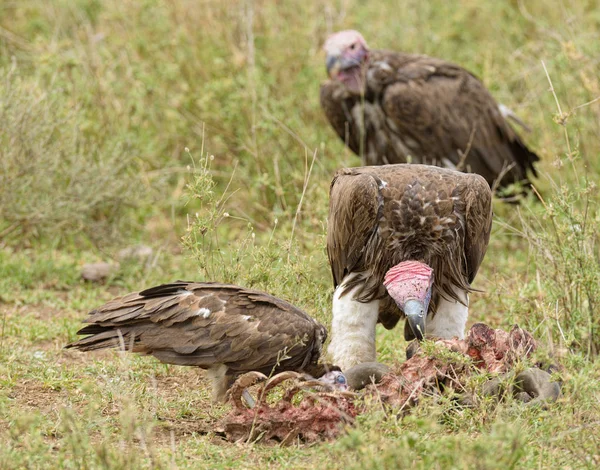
[34, 395]
[37, 311]
[69, 356]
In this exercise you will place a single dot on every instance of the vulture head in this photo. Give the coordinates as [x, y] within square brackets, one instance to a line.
[409, 284]
[336, 379]
[347, 52]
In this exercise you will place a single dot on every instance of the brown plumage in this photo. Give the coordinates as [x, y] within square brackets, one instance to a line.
[381, 216]
[394, 107]
[226, 329]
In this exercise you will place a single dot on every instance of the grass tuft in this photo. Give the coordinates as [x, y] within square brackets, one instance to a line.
[80, 184]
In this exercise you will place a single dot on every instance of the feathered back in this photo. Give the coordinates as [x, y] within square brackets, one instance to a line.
[207, 325]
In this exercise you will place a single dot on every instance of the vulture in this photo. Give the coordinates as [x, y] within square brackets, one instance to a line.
[403, 240]
[223, 328]
[393, 107]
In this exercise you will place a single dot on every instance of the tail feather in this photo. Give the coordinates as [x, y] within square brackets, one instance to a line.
[99, 340]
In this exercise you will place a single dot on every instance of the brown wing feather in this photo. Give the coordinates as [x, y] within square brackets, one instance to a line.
[353, 212]
[205, 324]
[451, 114]
[337, 104]
[478, 220]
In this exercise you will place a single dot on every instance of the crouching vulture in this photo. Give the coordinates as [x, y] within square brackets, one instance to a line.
[403, 240]
[226, 329]
[394, 107]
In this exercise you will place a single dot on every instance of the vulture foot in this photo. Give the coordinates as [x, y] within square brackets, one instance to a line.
[532, 386]
[535, 386]
[361, 375]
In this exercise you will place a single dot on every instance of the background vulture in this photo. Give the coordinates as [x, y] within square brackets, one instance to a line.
[392, 107]
[403, 240]
[226, 329]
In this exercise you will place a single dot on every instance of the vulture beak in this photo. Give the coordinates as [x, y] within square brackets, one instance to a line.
[416, 312]
[333, 65]
[337, 63]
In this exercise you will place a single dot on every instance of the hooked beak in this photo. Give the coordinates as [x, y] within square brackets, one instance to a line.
[333, 65]
[337, 63]
[415, 315]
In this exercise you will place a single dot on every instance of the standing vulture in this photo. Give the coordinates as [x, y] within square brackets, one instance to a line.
[393, 107]
[226, 329]
[403, 240]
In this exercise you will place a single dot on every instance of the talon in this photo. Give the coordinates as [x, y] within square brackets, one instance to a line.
[535, 386]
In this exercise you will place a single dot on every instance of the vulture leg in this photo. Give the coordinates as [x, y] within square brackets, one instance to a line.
[352, 328]
[220, 382]
[450, 317]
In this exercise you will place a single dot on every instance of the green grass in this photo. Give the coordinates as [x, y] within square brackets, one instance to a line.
[194, 127]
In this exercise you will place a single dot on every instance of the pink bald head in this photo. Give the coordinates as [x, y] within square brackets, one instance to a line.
[341, 41]
[347, 52]
[409, 280]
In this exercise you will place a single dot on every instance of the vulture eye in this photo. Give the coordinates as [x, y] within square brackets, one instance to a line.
[340, 379]
[353, 46]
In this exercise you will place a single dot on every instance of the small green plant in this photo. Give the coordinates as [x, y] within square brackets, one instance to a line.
[207, 239]
[565, 239]
[564, 231]
[54, 180]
